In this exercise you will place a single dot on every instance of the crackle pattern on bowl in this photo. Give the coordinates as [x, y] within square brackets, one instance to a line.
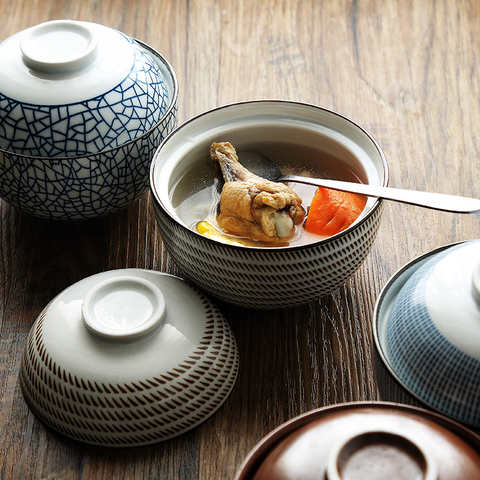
[92, 125]
[269, 278]
[85, 187]
[137, 413]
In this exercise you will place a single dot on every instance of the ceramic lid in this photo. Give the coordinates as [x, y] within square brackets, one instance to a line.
[427, 329]
[356, 441]
[128, 357]
[70, 88]
[449, 288]
[81, 59]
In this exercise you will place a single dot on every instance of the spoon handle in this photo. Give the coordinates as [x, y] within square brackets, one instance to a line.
[437, 201]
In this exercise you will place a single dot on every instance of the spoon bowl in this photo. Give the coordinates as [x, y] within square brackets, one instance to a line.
[266, 168]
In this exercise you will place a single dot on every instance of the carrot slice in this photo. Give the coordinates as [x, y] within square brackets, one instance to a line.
[332, 211]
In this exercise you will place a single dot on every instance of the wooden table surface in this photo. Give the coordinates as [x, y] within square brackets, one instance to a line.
[406, 70]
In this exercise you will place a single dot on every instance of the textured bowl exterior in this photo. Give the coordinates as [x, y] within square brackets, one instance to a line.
[389, 388]
[88, 186]
[136, 412]
[92, 125]
[266, 278]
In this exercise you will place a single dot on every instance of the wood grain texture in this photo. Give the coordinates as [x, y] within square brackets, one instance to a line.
[406, 70]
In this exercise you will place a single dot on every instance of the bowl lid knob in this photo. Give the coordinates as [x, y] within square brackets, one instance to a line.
[124, 308]
[59, 46]
[380, 454]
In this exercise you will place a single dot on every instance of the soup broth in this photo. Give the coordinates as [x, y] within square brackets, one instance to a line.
[196, 195]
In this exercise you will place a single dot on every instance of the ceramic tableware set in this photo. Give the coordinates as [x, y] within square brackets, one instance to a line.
[427, 337]
[126, 357]
[132, 357]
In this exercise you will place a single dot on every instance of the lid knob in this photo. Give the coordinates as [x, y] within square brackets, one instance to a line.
[123, 308]
[59, 46]
[378, 455]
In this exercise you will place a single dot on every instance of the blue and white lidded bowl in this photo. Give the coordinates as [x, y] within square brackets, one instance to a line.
[83, 108]
[428, 330]
[71, 88]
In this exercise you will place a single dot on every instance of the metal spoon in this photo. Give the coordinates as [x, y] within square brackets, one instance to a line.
[265, 168]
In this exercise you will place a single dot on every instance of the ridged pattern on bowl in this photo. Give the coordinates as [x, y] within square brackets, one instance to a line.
[427, 363]
[136, 413]
[83, 187]
[95, 124]
[268, 278]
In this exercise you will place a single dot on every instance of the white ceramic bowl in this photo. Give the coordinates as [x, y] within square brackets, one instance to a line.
[79, 124]
[427, 330]
[127, 358]
[266, 278]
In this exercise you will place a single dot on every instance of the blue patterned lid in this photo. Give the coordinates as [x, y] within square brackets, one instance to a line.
[433, 332]
[71, 88]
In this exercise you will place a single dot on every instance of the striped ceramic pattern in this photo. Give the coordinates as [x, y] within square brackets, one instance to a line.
[389, 388]
[82, 187]
[136, 413]
[268, 278]
[414, 346]
[118, 116]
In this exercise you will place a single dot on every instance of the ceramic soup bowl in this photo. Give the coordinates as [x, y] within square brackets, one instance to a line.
[264, 277]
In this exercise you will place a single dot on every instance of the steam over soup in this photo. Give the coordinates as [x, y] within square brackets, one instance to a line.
[222, 200]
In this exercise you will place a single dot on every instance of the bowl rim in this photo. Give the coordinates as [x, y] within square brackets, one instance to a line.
[173, 102]
[262, 448]
[383, 305]
[323, 241]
